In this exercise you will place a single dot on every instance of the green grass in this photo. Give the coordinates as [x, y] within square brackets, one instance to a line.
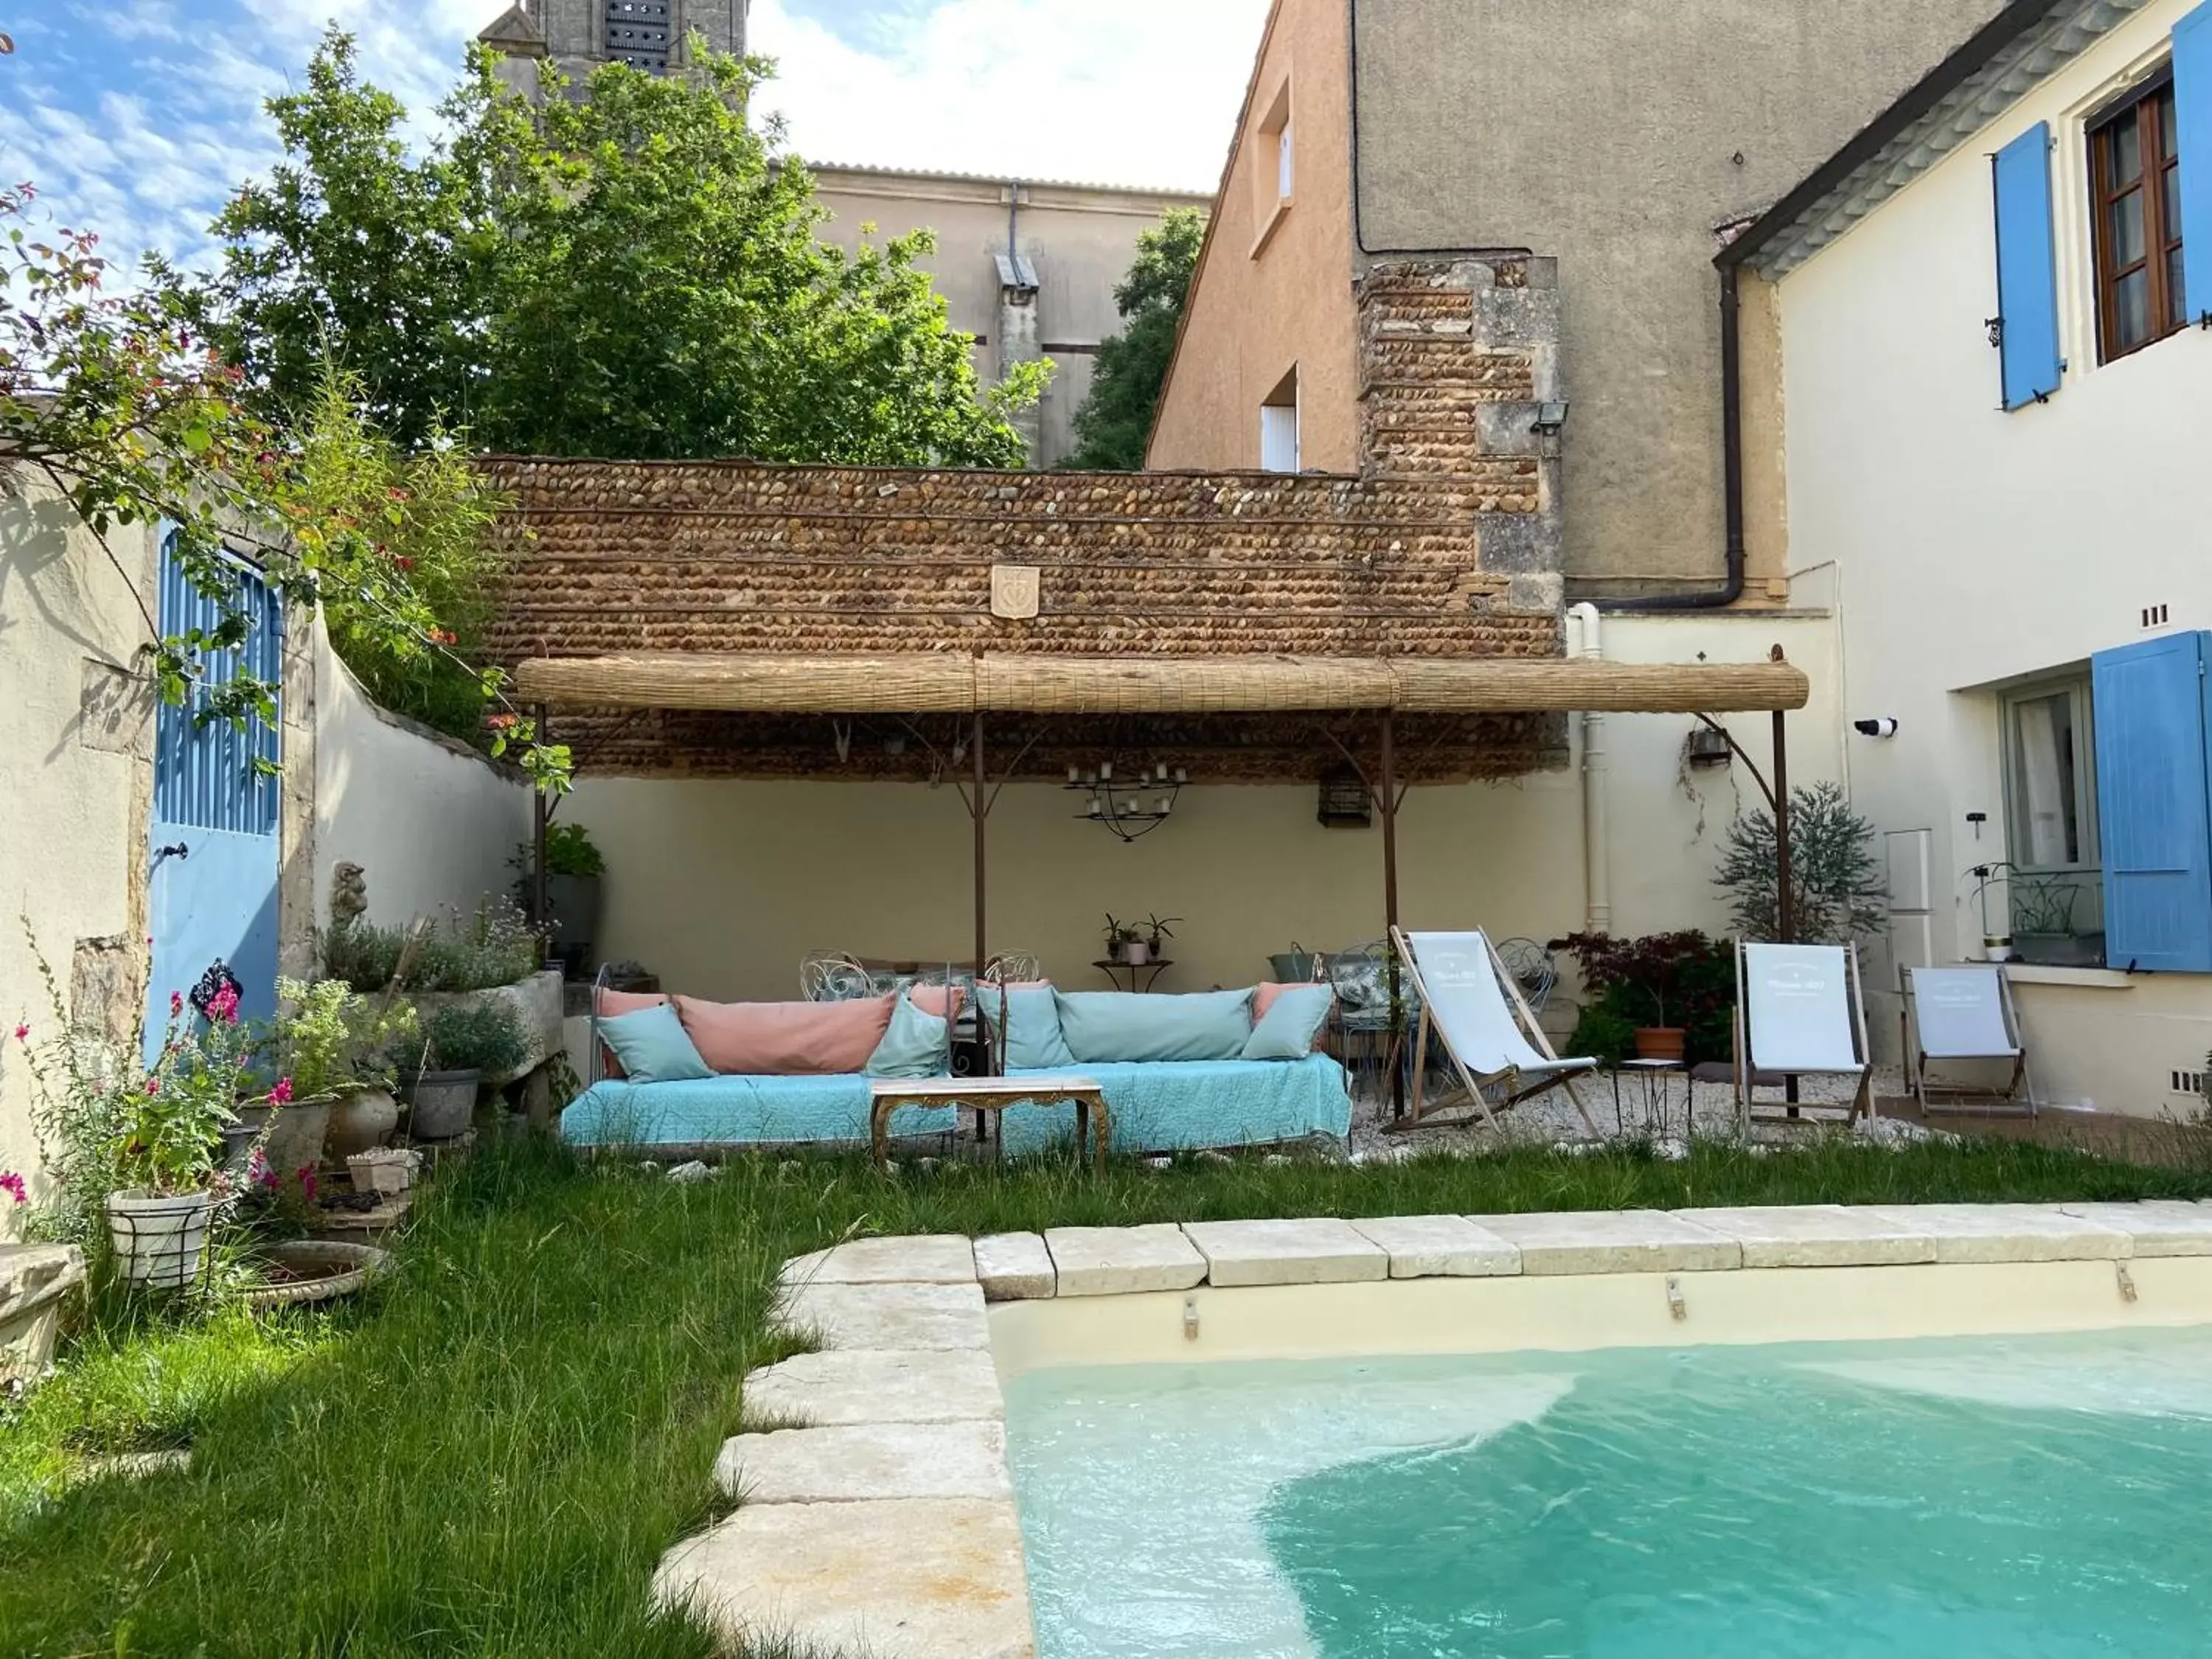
[490, 1454]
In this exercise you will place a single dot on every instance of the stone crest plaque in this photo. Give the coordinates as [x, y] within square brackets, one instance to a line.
[1014, 591]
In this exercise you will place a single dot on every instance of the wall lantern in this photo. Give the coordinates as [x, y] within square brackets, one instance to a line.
[1344, 802]
[1708, 746]
[1551, 419]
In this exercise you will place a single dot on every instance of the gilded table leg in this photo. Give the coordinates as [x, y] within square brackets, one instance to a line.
[879, 1124]
[1102, 1124]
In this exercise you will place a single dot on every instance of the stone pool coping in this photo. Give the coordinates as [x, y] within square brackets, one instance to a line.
[877, 1511]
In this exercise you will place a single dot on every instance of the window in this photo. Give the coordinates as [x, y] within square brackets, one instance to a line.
[1278, 427]
[2050, 813]
[1286, 169]
[2136, 207]
[1274, 167]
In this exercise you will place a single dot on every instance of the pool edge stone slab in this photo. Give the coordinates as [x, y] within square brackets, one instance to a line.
[1816, 1235]
[1611, 1242]
[1318, 1250]
[1124, 1260]
[1440, 1247]
[861, 1462]
[836, 1387]
[1016, 1268]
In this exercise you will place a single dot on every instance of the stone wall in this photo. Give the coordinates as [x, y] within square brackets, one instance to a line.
[1445, 544]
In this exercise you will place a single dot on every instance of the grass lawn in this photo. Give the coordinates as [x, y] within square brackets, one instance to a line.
[490, 1455]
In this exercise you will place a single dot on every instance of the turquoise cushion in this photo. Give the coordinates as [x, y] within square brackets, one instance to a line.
[1105, 1025]
[913, 1044]
[653, 1047]
[1034, 1039]
[1287, 1030]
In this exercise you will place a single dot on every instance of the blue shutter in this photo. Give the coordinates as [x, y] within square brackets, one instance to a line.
[2192, 112]
[2028, 268]
[2155, 826]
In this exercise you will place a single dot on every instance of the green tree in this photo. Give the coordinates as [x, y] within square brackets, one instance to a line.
[630, 274]
[1116, 417]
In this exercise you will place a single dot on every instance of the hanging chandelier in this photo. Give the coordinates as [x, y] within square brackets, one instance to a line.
[1132, 804]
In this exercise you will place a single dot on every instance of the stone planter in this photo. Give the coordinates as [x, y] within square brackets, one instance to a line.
[296, 1137]
[536, 1004]
[160, 1240]
[384, 1172]
[315, 1270]
[360, 1119]
[441, 1104]
[35, 1280]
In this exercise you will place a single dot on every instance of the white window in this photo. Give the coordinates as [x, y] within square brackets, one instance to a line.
[2054, 890]
[1284, 170]
[1278, 427]
[1272, 166]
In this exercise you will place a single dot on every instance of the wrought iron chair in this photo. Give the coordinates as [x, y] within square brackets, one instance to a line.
[1533, 970]
[1011, 968]
[832, 976]
[1361, 978]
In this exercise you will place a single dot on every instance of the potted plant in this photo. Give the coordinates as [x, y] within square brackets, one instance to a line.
[1158, 932]
[574, 871]
[334, 1044]
[1123, 942]
[165, 1141]
[1683, 975]
[440, 1074]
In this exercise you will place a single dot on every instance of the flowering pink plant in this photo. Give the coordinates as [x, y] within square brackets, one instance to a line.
[12, 1184]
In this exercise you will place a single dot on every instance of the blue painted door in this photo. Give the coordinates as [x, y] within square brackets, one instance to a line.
[212, 895]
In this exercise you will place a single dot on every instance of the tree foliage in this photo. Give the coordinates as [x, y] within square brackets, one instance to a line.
[630, 274]
[1835, 887]
[117, 405]
[1132, 369]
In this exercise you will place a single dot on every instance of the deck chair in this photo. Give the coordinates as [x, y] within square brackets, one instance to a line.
[1964, 1014]
[1470, 1001]
[1799, 1012]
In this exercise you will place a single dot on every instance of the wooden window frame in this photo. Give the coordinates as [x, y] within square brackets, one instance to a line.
[2139, 107]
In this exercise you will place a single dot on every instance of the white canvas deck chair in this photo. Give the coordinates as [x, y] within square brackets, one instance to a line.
[1471, 1001]
[1964, 1014]
[1799, 1012]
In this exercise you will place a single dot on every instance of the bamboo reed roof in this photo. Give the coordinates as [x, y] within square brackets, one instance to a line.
[942, 682]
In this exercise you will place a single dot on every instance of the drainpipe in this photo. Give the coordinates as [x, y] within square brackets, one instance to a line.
[1597, 861]
[1731, 588]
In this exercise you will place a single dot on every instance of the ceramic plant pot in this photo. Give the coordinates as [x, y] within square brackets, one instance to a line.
[441, 1104]
[158, 1240]
[1660, 1042]
[296, 1137]
[359, 1119]
[1137, 952]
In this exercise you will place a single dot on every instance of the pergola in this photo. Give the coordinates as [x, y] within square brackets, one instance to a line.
[980, 685]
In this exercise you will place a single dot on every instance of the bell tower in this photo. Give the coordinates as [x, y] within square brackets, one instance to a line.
[580, 35]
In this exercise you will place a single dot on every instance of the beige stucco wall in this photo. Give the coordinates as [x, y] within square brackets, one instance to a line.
[1977, 547]
[431, 822]
[722, 886]
[1080, 238]
[1257, 310]
[76, 766]
[1616, 136]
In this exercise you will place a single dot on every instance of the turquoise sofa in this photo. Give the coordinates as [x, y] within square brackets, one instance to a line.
[1156, 1106]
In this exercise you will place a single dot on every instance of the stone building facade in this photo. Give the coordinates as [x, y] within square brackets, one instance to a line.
[580, 35]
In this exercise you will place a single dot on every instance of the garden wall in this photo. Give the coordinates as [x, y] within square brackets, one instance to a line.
[431, 821]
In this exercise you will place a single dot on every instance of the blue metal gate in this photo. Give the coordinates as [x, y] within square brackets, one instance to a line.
[212, 893]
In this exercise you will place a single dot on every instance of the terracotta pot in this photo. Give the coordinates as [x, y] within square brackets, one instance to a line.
[359, 1119]
[1660, 1041]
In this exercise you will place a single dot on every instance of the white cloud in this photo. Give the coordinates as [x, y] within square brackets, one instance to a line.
[1138, 92]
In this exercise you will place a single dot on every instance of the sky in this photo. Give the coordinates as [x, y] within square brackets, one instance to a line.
[137, 118]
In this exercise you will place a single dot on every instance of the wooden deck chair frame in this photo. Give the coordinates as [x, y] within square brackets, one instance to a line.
[1862, 1100]
[2018, 1097]
[1418, 1111]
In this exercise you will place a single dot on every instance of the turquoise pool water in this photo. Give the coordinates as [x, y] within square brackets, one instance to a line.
[2030, 1499]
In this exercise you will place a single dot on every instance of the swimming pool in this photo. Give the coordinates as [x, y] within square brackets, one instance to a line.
[2036, 1496]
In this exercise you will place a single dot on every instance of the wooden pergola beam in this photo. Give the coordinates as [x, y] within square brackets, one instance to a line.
[932, 682]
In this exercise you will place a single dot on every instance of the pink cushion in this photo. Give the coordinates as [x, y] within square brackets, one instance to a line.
[786, 1039]
[1263, 998]
[945, 1001]
[611, 1002]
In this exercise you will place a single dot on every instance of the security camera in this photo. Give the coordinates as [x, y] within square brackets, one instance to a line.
[1883, 726]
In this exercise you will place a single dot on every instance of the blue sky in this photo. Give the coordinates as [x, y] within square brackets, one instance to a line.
[136, 117]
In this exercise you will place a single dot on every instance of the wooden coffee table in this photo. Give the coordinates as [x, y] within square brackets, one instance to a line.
[990, 1094]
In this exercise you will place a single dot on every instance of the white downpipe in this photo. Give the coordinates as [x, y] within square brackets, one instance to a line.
[1597, 856]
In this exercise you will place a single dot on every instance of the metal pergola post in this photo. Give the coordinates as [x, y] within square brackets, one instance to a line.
[1390, 806]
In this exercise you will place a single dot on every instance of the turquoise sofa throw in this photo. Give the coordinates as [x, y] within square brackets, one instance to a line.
[653, 1047]
[1287, 1030]
[1110, 1025]
[1034, 1039]
[912, 1046]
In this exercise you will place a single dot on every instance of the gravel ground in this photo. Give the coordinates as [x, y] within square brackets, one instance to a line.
[1664, 1108]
